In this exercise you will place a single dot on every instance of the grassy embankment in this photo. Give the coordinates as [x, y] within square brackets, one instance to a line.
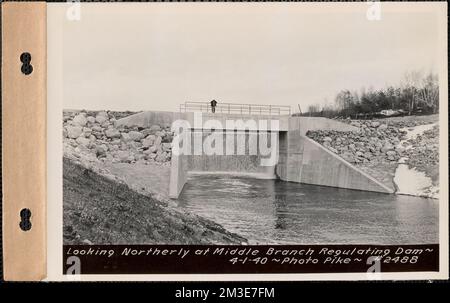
[98, 210]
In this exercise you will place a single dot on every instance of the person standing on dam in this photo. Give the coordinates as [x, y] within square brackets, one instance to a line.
[213, 106]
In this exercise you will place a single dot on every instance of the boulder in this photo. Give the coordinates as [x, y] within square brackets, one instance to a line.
[160, 133]
[391, 155]
[135, 135]
[101, 118]
[387, 147]
[74, 132]
[155, 128]
[87, 132]
[400, 150]
[150, 156]
[125, 137]
[157, 142]
[375, 124]
[112, 133]
[86, 242]
[106, 124]
[98, 135]
[373, 148]
[79, 120]
[83, 141]
[73, 143]
[153, 149]
[348, 157]
[368, 155]
[103, 113]
[168, 147]
[146, 132]
[123, 155]
[147, 142]
[90, 120]
[100, 151]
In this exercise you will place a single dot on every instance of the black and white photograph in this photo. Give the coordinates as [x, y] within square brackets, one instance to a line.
[270, 126]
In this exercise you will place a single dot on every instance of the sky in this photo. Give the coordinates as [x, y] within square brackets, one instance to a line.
[155, 56]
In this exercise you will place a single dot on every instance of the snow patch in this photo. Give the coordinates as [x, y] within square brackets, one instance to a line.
[413, 132]
[409, 181]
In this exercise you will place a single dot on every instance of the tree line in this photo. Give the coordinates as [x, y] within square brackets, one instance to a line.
[418, 93]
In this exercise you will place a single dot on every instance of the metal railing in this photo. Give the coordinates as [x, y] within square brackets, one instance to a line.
[236, 108]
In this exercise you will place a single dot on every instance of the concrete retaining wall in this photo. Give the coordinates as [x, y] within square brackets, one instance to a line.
[290, 152]
[319, 123]
[164, 119]
[147, 119]
[178, 175]
[322, 167]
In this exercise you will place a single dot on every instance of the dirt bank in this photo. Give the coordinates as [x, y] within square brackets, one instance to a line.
[99, 209]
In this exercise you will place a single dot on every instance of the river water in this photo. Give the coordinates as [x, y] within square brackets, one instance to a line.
[277, 212]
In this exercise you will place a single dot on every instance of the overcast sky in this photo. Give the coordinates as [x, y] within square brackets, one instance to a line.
[155, 56]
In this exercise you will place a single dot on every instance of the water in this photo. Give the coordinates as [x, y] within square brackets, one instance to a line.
[273, 211]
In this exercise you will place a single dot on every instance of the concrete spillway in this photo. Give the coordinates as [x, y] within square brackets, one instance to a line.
[298, 158]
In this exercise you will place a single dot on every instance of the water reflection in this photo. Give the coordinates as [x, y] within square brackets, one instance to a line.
[272, 211]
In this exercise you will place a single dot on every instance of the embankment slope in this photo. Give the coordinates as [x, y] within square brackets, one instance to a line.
[100, 210]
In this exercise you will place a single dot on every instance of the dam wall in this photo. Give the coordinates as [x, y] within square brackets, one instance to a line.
[298, 158]
[303, 160]
[198, 120]
[320, 166]
[234, 152]
[148, 118]
[178, 175]
[318, 123]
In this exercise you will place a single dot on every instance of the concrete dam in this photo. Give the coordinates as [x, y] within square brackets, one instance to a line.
[239, 145]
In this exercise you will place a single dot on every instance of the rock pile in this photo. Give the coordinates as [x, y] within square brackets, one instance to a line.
[424, 154]
[96, 136]
[374, 141]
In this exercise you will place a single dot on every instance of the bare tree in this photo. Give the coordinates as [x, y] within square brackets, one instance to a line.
[411, 82]
[429, 92]
[344, 102]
